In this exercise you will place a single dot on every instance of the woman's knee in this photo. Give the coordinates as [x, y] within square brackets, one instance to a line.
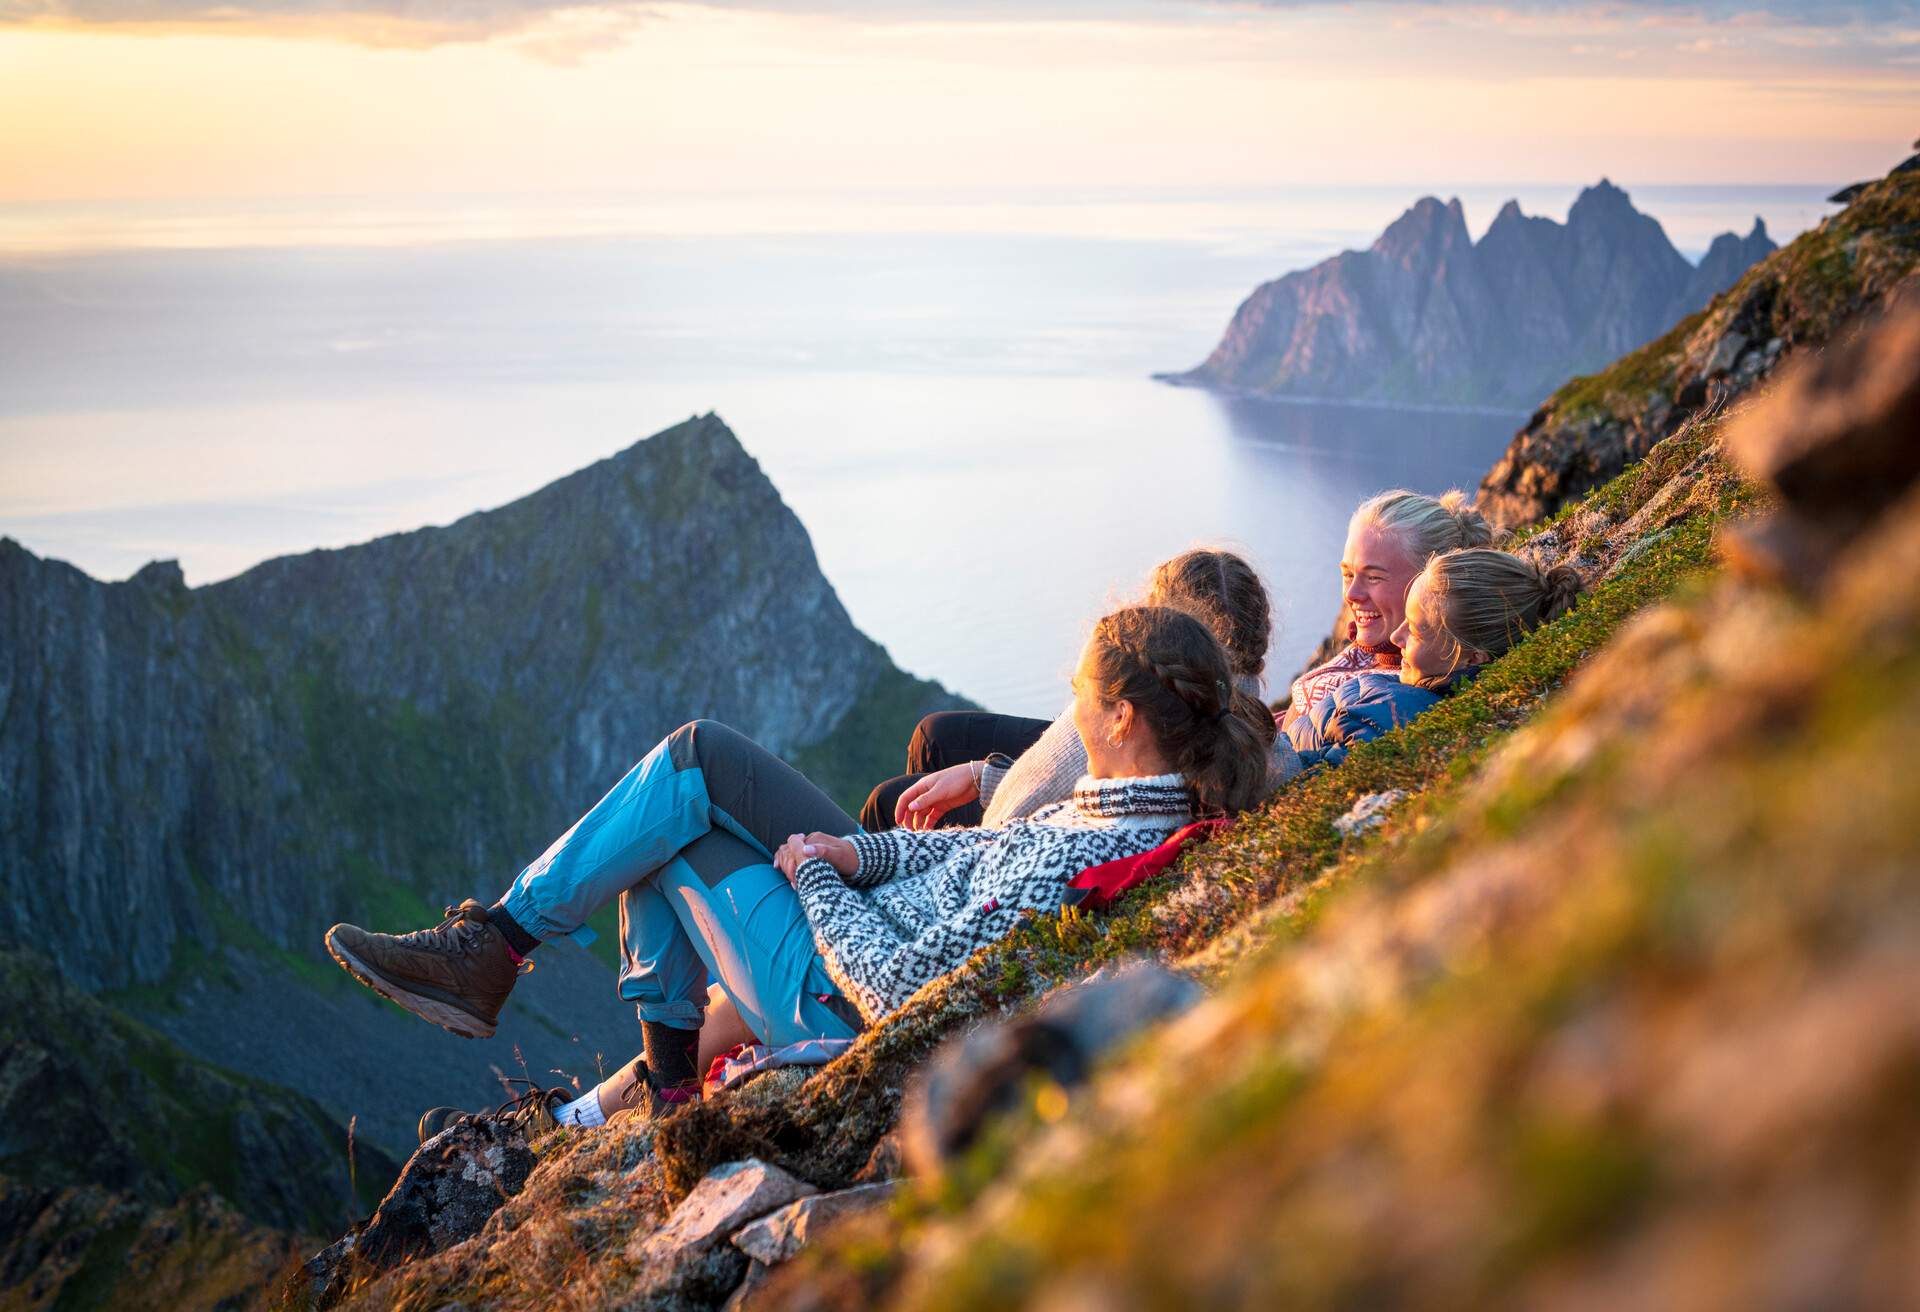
[698, 743]
[935, 742]
[877, 813]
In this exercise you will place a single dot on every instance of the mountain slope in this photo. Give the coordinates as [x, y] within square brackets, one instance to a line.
[133, 1175]
[1618, 1001]
[1428, 315]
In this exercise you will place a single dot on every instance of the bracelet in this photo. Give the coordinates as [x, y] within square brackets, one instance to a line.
[978, 769]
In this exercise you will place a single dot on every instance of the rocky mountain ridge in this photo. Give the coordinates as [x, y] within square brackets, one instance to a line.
[1428, 315]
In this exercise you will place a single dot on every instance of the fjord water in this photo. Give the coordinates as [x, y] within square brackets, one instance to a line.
[964, 424]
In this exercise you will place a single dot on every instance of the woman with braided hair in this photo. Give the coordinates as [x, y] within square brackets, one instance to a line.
[729, 865]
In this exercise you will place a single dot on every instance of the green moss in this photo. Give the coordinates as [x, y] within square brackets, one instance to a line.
[98, 1271]
[1629, 383]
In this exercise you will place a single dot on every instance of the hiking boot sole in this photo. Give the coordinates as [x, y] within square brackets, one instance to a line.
[444, 1014]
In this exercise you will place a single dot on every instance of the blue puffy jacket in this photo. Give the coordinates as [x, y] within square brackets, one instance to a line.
[1360, 710]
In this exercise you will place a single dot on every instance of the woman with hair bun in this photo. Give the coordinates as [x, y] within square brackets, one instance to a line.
[1464, 609]
[1390, 539]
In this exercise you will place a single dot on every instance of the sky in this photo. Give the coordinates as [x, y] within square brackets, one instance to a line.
[844, 107]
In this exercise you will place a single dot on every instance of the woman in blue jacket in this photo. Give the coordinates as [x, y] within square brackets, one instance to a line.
[1465, 608]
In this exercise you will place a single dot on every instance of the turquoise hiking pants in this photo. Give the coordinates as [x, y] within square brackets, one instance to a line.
[685, 842]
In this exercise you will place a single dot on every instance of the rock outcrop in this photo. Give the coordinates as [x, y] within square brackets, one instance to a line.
[1593, 427]
[1428, 315]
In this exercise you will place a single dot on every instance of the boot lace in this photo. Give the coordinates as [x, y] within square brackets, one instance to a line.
[454, 936]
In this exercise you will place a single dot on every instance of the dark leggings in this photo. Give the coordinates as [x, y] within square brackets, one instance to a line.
[950, 738]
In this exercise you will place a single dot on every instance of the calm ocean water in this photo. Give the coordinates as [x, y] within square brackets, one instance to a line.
[964, 423]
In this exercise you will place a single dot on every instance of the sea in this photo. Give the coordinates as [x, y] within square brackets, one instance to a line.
[952, 394]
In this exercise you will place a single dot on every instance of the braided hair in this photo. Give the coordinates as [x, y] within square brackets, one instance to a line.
[1180, 682]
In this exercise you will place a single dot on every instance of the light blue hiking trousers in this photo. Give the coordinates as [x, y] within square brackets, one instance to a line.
[685, 841]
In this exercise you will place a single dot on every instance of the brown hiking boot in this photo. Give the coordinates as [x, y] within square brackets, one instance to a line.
[456, 974]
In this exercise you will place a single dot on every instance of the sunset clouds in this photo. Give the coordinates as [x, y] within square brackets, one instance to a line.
[551, 102]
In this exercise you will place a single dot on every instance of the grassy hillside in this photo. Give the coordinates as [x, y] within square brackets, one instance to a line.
[1263, 887]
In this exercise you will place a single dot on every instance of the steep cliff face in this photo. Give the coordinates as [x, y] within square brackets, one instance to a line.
[429, 708]
[199, 781]
[1426, 314]
[1590, 429]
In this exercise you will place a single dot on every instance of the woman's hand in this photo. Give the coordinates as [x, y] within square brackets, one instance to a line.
[802, 848]
[932, 796]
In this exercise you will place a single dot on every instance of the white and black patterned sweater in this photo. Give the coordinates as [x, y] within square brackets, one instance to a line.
[922, 903]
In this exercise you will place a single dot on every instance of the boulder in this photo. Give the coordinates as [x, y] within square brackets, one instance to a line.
[1725, 354]
[445, 1193]
[688, 1259]
[985, 1072]
[777, 1236]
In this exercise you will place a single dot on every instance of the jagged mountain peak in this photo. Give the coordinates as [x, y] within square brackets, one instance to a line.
[1428, 223]
[1759, 232]
[1602, 204]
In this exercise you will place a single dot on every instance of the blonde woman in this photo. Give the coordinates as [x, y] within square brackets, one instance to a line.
[1390, 539]
[1464, 609]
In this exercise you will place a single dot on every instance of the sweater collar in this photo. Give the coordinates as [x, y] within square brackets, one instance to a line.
[1160, 794]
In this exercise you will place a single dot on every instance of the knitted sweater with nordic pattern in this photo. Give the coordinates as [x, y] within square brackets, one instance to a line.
[921, 903]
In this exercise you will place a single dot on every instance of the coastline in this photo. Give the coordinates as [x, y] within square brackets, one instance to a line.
[1185, 379]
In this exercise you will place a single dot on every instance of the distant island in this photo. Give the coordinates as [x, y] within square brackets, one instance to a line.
[1427, 315]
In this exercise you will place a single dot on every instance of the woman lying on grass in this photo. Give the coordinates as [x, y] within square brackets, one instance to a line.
[1464, 609]
[728, 863]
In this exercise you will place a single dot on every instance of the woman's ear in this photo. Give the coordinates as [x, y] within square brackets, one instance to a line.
[1120, 725]
[1473, 655]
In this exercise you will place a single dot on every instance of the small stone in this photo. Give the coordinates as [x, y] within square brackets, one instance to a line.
[730, 1196]
[779, 1235]
[687, 1261]
[1725, 354]
[1369, 813]
[883, 1163]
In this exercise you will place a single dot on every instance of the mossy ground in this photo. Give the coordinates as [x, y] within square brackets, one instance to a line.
[1620, 1018]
